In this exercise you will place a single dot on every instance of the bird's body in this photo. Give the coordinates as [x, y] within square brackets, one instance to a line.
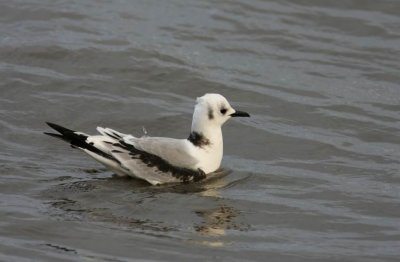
[160, 160]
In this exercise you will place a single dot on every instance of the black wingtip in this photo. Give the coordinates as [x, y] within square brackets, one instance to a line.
[52, 134]
[62, 130]
[50, 124]
[56, 136]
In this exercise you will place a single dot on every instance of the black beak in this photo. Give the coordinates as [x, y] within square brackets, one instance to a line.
[240, 114]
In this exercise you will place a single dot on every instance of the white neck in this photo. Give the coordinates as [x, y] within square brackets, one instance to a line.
[210, 153]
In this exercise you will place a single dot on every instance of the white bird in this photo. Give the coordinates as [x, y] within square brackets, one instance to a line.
[160, 160]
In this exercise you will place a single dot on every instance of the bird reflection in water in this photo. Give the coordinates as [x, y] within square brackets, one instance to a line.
[101, 199]
[216, 221]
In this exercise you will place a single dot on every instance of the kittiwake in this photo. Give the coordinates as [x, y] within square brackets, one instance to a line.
[160, 160]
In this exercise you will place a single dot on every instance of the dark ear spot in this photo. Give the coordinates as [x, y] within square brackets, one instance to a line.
[223, 111]
[210, 113]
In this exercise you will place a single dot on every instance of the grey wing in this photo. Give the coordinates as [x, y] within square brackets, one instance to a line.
[177, 152]
[105, 145]
[111, 133]
[152, 168]
[157, 160]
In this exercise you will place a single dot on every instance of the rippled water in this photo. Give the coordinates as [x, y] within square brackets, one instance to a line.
[314, 172]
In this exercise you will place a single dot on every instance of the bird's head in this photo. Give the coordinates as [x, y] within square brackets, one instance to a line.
[214, 110]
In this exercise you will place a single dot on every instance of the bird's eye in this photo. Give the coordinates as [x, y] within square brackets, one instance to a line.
[223, 111]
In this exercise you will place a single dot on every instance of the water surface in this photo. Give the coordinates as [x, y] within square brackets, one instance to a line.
[314, 171]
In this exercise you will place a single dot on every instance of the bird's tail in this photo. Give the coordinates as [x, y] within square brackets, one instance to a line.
[76, 139]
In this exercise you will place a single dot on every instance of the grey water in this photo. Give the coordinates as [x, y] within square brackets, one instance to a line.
[313, 174]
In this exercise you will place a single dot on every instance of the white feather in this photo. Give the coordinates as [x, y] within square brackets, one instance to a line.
[178, 153]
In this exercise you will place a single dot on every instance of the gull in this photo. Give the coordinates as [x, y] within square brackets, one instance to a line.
[160, 160]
